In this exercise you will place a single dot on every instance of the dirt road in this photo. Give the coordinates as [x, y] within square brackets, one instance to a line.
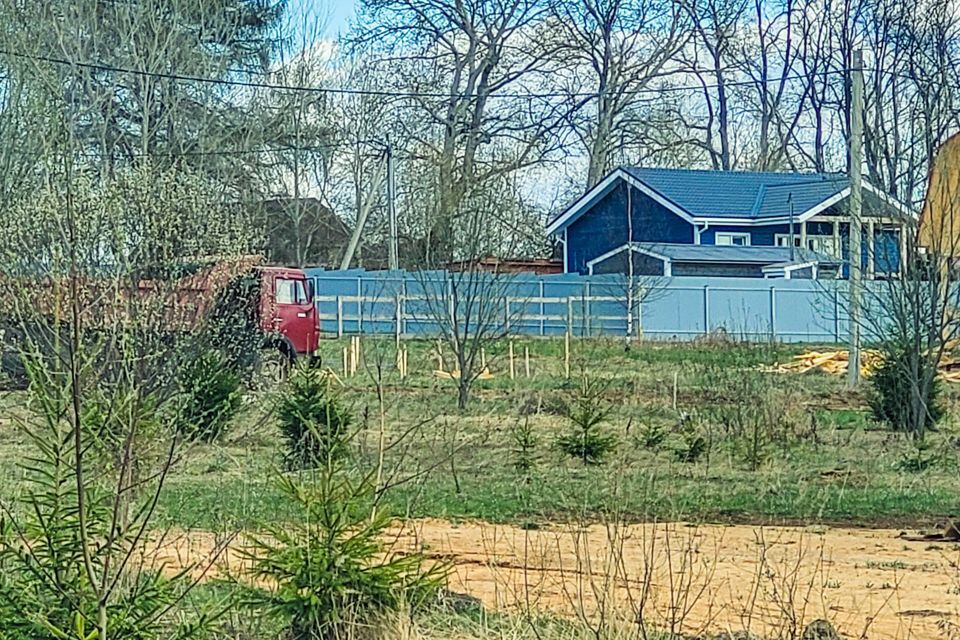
[770, 581]
[696, 580]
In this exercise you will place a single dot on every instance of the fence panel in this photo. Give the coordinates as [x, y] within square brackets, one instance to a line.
[682, 308]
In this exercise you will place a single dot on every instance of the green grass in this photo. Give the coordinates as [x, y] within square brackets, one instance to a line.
[837, 466]
[850, 471]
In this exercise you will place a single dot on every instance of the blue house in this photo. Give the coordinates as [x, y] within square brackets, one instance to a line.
[728, 223]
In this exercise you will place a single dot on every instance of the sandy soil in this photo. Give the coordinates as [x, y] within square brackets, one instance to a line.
[696, 580]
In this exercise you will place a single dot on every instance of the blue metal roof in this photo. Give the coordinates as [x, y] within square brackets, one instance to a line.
[741, 194]
[701, 253]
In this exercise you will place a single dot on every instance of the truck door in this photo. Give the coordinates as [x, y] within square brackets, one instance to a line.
[295, 313]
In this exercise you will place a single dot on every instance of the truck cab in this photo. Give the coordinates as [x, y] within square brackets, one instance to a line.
[288, 316]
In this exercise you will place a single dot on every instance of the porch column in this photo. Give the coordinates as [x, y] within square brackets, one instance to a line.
[870, 261]
[902, 241]
[803, 234]
[837, 249]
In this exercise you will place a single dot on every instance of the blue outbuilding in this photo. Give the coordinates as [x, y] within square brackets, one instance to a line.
[728, 223]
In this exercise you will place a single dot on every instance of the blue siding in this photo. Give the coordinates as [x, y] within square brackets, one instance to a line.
[761, 236]
[604, 227]
[886, 250]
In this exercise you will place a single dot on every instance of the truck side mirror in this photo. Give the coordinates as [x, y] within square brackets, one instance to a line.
[310, 290]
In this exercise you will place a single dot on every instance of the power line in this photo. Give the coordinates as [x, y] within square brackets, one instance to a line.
[182, 154]
[397, 94]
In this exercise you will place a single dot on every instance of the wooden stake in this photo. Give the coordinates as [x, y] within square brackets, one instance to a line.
[406, 363]
[526, 360]
[483, 358]
[353, 355]
[566, 355]
[346, 362]
[512, 370]
[675, 376]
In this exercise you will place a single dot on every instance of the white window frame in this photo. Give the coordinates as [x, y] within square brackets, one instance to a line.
[783, 240]
[730, 236]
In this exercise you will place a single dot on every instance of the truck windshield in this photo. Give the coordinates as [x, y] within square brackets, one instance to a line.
[291, 291]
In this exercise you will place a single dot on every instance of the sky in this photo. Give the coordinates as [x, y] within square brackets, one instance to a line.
[338, 12]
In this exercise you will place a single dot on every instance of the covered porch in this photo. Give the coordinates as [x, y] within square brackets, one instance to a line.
[882, 245]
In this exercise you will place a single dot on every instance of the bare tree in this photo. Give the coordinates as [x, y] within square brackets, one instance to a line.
[105, 251]
[716, 24]
[92, 285]
[472, 305]
[612, 51]
[464, 61]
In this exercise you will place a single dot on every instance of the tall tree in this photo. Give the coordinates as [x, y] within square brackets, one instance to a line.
[613, 51]
[715, 25]
[463, 61]
[122, 71]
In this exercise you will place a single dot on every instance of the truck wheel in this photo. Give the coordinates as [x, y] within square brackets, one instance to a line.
[272, 369]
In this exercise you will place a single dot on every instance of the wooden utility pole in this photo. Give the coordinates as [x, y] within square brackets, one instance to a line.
[856, 209]
[363, 211]
[394, 249]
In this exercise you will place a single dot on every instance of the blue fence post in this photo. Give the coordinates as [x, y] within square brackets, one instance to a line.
[359, 304]
[588, 309]
[542, 311]
[773, 314]
[706, 309]
[403, 306]
[836, 315]
[339, 317]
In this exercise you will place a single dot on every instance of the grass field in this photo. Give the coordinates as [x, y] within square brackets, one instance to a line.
[826, 463]
[773, 449]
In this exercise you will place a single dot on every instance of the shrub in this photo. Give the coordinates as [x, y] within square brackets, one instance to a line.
[651, 435]
[212, 397]
[691, 448]
[524, 449]
[689, 444]
[905, 391]
[922, 457]
[585, 439]
[331, 570]
[76, 584]
[314, 424]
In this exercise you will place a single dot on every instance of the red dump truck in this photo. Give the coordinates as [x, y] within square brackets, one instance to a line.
[287, 317]
[275, 304]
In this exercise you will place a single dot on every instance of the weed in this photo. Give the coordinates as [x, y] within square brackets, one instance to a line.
[922, 456]
[691, 443]
[895, 565]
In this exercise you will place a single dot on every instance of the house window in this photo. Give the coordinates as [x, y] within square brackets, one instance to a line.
[820, 244]
[783, 239]
[733, 239]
